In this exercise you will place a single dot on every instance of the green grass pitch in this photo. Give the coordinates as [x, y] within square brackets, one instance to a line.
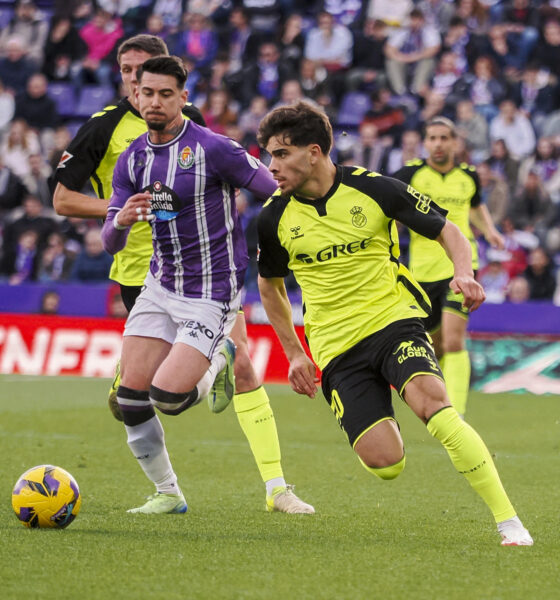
[425, 535]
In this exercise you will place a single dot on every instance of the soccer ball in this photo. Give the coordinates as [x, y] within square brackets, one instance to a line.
[46, 496]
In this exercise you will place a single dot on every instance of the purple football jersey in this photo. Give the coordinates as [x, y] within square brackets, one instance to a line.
[199, 245]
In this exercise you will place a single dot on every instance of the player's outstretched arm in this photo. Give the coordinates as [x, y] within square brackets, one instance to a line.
[458, 249]
[302, 373]
[480, 218]
[69, 203]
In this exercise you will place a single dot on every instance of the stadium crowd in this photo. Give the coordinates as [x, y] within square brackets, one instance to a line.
[379, 69]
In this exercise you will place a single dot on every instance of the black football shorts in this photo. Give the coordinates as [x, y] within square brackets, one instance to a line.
[442, 298]
[357, 384]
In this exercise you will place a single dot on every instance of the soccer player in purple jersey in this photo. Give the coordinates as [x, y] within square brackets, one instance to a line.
[182, 178]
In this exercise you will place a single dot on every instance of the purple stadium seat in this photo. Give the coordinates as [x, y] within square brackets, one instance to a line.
[63, 94]
[93, 98]
[353, 107]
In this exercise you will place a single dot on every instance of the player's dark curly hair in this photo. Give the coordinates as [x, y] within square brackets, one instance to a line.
[298, 125]
[165, 65]
[151, 44]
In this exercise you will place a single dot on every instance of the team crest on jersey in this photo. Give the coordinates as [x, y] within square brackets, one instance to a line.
[66, 156]
[186, 158]
[358, 217]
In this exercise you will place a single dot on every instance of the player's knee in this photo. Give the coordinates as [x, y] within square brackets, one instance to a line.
[173, 403]
[386, 472]
[135, 405]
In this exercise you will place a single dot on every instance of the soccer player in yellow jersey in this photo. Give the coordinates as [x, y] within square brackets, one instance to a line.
[455, 188]
[93, 154]
[334, 227]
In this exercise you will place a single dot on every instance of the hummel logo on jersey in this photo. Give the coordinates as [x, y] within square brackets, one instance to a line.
[295, 232]
[66, 156]
[423, 204]
[335, 251]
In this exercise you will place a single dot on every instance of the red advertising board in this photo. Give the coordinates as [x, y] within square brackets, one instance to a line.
[90, 347]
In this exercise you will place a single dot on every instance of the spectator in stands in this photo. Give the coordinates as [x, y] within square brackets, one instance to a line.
[535, 95]
[61, 139]
[518, 290]
[12, 190]
[476, 17]
[292, 41]
[473, 128]
[155, 25]
[292, 93]
[393, 12]
[547, 51]
[411, 148]
[64, 50]
[494, 278]
[18, 144]
[532, 209]
[512, 126]
[369, 150]
[545, 162]
[7, 108]
[93, 263]
[36, 107]
[50, 303]
[37, 180]
[494, 192]
[238, 40]
[264, 76]
[21, 265]
[457, 39]
[540, 275]
[483, 86]
[503, 164]
[438, 13]
[346, 12]
[217, 112]
[171, 11]
[33, 218]
[101, 35]
[329, 44]
[386, 114]
[411, 55]
[31, 27]
[367, 71]
[314, 82]
[197, 40]
[55, 262]
[521, 21]
[446, 75]
[250, 118]
[265, 16]
[15, 67]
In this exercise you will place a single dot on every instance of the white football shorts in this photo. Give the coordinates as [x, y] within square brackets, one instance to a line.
[202, 324]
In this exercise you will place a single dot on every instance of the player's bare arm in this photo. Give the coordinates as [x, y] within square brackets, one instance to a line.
[480, 218]
[458, 249]
[69, 203]
[302, 372]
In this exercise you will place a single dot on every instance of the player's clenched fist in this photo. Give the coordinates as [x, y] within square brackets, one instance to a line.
[137, 208]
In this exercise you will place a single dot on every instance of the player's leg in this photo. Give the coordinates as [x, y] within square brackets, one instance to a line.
[141, 357]
[455, 363]
[427, 397]
[361, 402]
[256, 419]
[129, 293]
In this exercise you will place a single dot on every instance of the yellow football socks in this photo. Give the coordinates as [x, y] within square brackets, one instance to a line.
[471, 458]
[257, 422]
[456, 368]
